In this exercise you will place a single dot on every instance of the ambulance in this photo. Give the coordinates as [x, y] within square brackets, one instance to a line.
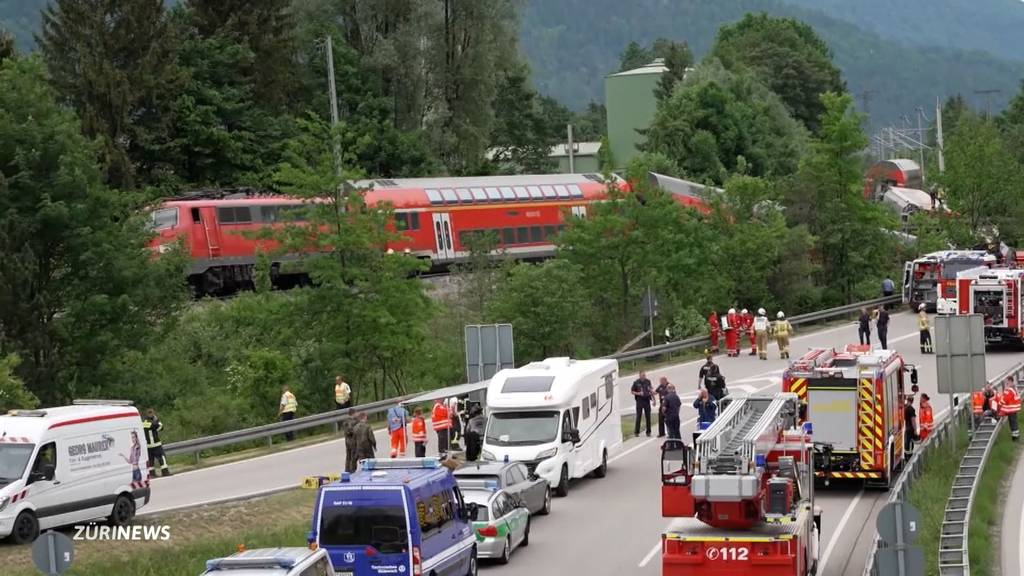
[71, 464]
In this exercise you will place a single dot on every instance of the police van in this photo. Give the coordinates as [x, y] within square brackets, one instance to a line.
[401, 516]
[70, 464]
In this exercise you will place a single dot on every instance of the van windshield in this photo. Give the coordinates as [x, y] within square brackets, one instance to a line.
[13, 460]
[522, 428]
[382, 527]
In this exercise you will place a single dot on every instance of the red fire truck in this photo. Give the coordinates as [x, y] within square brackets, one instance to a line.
[931, 279]
[855, 398]
[997, 295]
[742, 497]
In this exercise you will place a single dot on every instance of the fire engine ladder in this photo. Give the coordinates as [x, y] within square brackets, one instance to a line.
[749, 427]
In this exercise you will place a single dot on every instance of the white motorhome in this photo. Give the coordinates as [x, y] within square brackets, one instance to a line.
[559, 417]
[71, 464]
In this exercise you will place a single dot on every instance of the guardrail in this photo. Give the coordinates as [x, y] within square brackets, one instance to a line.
[698, 341]
[912, 470]
[268, 431]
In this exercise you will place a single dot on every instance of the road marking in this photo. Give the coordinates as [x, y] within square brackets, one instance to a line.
[631, 450]
[839, 530]
[650, 555]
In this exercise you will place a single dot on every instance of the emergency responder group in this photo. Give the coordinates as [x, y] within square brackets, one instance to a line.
[756, 328]
[990, 404]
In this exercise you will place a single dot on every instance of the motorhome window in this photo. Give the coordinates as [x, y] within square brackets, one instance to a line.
[13, 460]
[585, 405]
[593, 400]
[527, 384]
[164, 219]
[522, 428]
[382, 527]
[609, 387]
[570, 422]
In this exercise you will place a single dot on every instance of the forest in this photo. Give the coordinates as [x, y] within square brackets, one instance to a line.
[96, 125]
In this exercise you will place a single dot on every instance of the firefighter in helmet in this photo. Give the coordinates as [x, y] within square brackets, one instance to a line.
[782, 330]
[733, 325]
[761, 326]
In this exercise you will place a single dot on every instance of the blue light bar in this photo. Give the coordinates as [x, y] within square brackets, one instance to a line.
[759, 460]
[400, 463]
[808, 428]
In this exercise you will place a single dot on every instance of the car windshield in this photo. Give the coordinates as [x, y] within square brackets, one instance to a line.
[382, 527]
[522, 428]
[13, 460]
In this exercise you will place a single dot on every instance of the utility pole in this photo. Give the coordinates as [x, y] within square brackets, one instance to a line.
[988, 99]
[332, 94]
[572, 163]
[938, 136]
[920, 137]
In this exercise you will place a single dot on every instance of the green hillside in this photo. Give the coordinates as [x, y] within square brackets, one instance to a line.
[991, 25]
[21, 19]
[572, 44]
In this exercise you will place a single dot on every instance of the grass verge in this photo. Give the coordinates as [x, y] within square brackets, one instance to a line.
[930, 492]
[986, 510]
[195, 536]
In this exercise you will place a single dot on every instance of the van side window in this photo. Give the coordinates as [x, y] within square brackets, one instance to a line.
[46, 460]
[435, 513]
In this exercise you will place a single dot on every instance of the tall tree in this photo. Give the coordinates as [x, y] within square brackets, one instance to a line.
[787, 56]
[678, 58]
[78, 289]
[267, 29]
[719, 121]
[6, 45]
[114, 62]
[523, 135]
[634, 56]
[826, 197]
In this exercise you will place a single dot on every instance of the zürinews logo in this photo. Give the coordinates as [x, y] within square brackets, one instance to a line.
[126, 533]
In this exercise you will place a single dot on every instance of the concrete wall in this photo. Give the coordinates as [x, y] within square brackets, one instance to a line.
[582, 164]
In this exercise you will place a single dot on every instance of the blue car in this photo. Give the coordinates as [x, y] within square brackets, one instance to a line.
[401, 516]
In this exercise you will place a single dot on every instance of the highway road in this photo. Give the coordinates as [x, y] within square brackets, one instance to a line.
[613, 525]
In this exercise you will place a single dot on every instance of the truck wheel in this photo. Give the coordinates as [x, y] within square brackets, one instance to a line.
[26, 528]
[123, 512]
[546, 509]
[602, 470]
[562, 490]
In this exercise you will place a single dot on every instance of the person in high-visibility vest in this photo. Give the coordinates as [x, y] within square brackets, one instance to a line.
[419, 433]
[977, 406]
[926, 420]
[925, 329]
[397, 417]
[442, 424]
[342, 393]
[761, 327]
[748, 327]
[151, 426]
[783, 330]
[287, 408]
[1010, 406]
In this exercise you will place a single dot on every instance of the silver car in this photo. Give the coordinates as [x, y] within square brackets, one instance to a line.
[512, 477]
[502, 523]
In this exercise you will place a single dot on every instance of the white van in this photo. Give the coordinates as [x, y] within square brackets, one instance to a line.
[71, 464]
[559, 417]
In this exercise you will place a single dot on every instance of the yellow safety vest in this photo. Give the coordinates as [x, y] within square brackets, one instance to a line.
[922, 322]
[782, 328]
[342, 392]
[289, 402]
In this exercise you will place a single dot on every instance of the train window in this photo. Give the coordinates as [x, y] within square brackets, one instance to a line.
[523, 235]
[478, 194]
[562, 191]
[164, 219]
[434, 196]
[234, 215]
[575, 191]
[507, 193]
[449, 195]
[521, 193]
[414, 220]
[493, 194]
[548, 191]
[196, 219]
[508, 235]
[561, 228]
[464, 237]
[536, 234]
[550, 232]
[464, 194]
[535, 192]
[401, 221]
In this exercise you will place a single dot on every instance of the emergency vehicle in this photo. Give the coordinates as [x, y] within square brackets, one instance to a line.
[855, 397]
[931, 279]
[998, 296]
[742, 498]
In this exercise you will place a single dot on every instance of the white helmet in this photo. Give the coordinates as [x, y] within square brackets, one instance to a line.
[781, 314]
[921, 307]
[761, 312]
[744, 311]
[732, 310]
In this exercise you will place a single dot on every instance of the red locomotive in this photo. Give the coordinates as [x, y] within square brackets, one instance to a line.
[434, 215]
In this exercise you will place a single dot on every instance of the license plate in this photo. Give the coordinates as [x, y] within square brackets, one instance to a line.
[343, 573]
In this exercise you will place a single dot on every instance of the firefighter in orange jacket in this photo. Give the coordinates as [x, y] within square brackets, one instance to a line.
[1010, 406]
[925, 422]
[748, 329]
[977, 405]
[715, 326]
[733, 325]
[442, 425]
[419, 433]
